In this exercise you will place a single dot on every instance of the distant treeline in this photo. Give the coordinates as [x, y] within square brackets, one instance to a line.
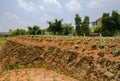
[109, 26]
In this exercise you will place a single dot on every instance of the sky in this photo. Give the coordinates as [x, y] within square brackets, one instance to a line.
[22, 13]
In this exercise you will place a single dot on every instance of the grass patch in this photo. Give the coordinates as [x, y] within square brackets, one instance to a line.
[2, 41]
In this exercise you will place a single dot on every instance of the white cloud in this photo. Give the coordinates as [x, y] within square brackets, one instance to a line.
[73, 5]
[95, 4]
[42, 8]
[29, 6]
[14, 21]
[53, 2]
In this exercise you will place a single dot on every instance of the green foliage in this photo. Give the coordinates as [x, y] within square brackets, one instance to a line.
[45, 66]
[94, 45]
[16, 70]
[58, 70]
[101, 53]
[1, 71]
[19, 32]
[28, 78]
[55, 27]
[112, 44]
[34, 30]
[2, 40]
[7, 79]
[110, 24]
[1, 35]
[20, 66]
[102, 45]
[30, 65]
[116, 52]
[67, 29]
[78, 24]
[85, 26]
[97, 29]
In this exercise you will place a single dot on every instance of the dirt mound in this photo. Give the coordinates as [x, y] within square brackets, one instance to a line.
[86, 59]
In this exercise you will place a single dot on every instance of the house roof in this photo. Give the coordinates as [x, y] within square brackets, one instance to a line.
[5, 33]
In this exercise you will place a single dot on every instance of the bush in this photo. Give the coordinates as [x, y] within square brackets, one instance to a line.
[112, 45]
[102, 45]
[101, 53]
[76, 46]
[116, 52]
[94, 45]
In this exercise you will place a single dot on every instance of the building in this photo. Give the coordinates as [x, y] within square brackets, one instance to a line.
[6, 34]
[96, 23]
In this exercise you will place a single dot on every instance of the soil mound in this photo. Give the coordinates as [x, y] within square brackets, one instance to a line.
[86, 59]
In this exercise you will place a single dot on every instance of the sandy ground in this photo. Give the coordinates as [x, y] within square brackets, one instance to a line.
[33, 74]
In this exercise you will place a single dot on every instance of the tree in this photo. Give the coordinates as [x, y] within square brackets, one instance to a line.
[85, 26]
[97, 29]
[67, 29]
[34, 30]
[78, 24]
[19, 32]
[55, 27]
[115, 19]
[110, 24]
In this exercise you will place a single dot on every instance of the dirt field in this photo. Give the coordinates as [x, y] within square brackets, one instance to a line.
[85, 59]
[33, 74]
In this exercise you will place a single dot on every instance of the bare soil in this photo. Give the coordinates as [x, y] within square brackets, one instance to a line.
[85, 59]
[33, 74]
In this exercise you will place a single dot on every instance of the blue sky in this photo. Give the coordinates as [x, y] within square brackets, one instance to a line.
[22, 13]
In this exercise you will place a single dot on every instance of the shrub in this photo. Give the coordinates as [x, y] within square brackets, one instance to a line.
[58, 70]
[94, 45]
[86, 42]
[116, 52]
[101, 53]
[112, 44]
[83, 49]
[30, 65]
[79, 42]
[102, 45]
[76, 46]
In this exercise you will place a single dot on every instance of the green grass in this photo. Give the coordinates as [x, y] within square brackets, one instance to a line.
[2, 41]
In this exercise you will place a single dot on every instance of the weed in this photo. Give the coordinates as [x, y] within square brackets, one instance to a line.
[45, 66]
[112, 45]
[1, 71]
[76, 46]
[86, 41]
[58, 70]
[28, 78]
[16, 70]
[83, 49]
[116, 52]
[30, 65]
[102, 45]
[79, 42]
[101, 53]
[94, 45]
[20, 66]
[7, 79]
[37, 66]
[8, 69]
